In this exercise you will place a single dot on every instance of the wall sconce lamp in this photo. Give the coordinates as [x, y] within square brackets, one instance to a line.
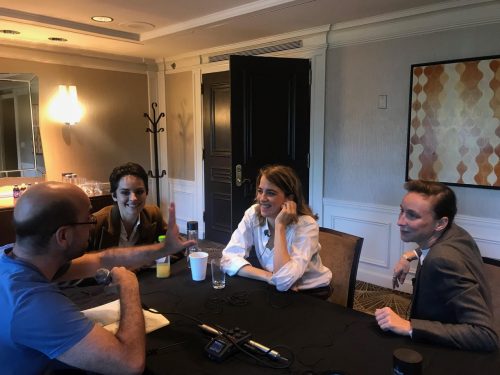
[65, 107]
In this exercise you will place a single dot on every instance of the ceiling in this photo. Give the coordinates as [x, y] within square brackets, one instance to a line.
[155, 29]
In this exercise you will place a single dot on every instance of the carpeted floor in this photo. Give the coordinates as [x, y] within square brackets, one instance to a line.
[369, 297]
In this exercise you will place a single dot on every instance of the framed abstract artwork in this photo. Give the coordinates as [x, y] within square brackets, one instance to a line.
[454, 122]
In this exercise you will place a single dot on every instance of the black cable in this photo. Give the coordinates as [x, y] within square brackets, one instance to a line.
[275, 299]
[178, 299]
[238, 299]
[332, 341]
[161, 348]
[171, 313]
[215, 304]
[241, 349]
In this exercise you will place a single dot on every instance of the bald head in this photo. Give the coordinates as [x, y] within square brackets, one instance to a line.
[44, 208]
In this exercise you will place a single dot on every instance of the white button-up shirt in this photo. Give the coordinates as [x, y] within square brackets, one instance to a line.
[303, 271]
[126, 241]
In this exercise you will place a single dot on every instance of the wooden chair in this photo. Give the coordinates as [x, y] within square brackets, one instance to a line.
[492, 272]
[340, 253]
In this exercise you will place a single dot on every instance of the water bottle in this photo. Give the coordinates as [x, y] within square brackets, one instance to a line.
[192, 234]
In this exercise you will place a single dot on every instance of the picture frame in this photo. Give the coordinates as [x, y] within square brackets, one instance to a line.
[454, 122]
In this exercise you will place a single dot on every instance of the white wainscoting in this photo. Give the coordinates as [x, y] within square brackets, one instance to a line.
[182, 192]
[382, 246]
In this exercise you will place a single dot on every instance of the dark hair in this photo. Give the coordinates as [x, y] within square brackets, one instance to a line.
[445, 203]
[43, 221]
[129, 169]
[287, 180]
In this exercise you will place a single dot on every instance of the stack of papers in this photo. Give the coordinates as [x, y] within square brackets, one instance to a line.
[108, 316]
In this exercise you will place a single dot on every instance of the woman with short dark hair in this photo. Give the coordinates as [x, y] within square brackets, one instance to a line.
[129, 221]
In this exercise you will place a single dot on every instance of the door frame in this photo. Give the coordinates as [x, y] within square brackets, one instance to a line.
[317, 56]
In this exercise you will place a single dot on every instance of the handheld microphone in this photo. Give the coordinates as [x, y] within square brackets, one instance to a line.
[103, 276]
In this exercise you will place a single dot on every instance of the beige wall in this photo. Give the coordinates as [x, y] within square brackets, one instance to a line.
[112, 130]
[180, 125]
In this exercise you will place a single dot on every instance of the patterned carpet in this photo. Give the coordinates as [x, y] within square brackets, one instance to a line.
[369, 297]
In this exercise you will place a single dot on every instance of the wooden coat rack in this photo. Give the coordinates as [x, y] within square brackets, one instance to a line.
[154, 129]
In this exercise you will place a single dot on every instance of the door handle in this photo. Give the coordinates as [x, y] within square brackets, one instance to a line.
[239, 176]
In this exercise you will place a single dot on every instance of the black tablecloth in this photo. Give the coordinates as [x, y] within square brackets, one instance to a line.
[322, 337]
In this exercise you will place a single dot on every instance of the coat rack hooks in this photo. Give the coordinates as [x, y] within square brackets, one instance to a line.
[154, 129]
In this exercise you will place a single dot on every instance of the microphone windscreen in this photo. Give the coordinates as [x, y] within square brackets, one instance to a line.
[103, 276]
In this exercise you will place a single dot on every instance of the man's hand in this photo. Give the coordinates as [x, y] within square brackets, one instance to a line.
[101, 351]
[173, 242]
[401, 269]
[388, 320]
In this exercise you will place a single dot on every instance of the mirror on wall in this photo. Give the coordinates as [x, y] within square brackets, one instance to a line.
[21, 153]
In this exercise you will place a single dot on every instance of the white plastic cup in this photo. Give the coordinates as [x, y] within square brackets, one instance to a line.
[218, 275]
[198, 261]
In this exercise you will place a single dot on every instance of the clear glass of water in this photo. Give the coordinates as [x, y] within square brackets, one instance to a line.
[218, 275]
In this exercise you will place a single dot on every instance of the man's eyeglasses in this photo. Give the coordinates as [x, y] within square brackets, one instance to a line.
[92, 221]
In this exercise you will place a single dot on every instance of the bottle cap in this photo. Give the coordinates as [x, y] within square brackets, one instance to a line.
[161, 238]
[192, 225]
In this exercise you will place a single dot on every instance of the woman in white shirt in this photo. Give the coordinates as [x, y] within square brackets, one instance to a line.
[283, 230]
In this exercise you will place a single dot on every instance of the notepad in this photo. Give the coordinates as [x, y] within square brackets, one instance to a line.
[108, 316]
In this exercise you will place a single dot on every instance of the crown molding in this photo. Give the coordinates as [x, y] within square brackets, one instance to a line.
[95, 61]
[417, 21]
[312, 39]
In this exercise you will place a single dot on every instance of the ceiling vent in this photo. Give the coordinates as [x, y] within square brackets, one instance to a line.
[258, 51]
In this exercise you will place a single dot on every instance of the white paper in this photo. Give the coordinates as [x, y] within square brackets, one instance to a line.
[108, 316]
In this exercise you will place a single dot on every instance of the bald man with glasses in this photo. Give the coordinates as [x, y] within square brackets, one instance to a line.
[37, 322]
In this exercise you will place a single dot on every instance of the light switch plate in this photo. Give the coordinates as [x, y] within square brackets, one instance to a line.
[382, 101]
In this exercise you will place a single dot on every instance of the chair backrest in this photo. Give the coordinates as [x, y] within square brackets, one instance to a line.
[340, 253]
[492, 272]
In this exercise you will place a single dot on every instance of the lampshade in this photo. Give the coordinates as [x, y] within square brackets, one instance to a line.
[65, 107]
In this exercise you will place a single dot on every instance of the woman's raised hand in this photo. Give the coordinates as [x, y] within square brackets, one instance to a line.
[288, 213]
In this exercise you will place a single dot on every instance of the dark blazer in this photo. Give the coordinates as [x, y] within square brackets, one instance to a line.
[107, 229]
[451, 298]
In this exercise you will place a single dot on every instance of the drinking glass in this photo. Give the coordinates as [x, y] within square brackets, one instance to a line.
[218, 275]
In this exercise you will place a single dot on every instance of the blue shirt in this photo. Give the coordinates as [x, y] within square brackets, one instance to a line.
[37, 322]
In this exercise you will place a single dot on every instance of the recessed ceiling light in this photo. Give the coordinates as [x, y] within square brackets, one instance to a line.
[12, 32]
[138, 25]
[57, 39]
[102, 19]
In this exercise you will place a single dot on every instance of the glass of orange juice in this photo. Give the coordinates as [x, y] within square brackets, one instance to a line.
[163, 267]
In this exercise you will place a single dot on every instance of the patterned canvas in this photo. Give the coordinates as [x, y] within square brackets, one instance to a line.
[454, 122]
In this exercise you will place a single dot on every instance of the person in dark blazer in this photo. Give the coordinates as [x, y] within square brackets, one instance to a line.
[451, 302]
[129, 221]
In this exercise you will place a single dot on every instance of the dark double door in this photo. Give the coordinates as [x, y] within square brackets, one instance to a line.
[255, 114]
